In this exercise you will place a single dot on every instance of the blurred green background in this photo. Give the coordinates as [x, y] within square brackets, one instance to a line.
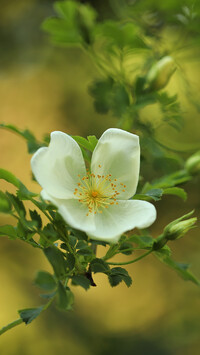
[45, 88]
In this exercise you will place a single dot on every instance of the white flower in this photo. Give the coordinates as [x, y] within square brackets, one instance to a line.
[95, 202]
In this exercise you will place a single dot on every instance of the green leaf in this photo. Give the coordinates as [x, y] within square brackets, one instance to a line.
[85, 251]
[9, 177]
[66, 9]
[45, 281]
[121, 34]
[5, 204]
[56, 259]
[124, 246]
[70, 261]
[32, 143]
[177, 191]
[81, 280]
[152, 194]
[50, 233]
[145, 242]
[18, 205]
[93, 142]
[180, 268]
[29, 314]
[8, 231]
[99, 265]
[65, 298]
[36, 217]
[118, 274]
[114, 280]
[83, 142]
[23, 192]
[101, 91]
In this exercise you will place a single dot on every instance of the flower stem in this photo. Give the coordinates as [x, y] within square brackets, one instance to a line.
[11, 325]
[134, 260]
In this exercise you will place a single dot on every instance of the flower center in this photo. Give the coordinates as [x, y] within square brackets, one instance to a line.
[98, 191]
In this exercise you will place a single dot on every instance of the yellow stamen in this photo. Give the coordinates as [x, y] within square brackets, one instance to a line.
[97, 191]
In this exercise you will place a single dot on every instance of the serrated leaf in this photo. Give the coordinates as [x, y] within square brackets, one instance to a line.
[118, 274]
[29, 314]
[8, 231]
[99, 265]
[114, 280]
[17, 204]
[177, 191]
[56, 259]
[36, 217]
[65, 297]
[45, 281]
[81, 280]
[24, 194]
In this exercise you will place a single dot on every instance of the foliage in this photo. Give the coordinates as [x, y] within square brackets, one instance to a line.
[125, 89]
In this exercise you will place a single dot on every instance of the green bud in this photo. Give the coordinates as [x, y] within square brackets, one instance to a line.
[160, 73]
[193, 163]
[179, 227]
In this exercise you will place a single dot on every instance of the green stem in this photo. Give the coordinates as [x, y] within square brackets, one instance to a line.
[11, 325]
[133, 261]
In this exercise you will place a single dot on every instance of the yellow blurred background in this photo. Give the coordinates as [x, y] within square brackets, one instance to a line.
[44, 88]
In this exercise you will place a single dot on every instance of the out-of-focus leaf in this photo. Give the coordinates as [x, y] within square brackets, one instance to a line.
[45, 281]
[29, 314]
[5, 204]
[177, 191]
[180, 268]
[65, 298]
[9, 231]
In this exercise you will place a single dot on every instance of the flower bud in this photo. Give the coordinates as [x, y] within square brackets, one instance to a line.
[193, 163]
[178, 228]
[160, 73]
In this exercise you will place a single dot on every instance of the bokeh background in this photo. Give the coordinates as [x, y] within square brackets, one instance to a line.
[45, 88]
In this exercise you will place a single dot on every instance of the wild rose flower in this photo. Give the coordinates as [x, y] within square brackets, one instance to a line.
[96, 202]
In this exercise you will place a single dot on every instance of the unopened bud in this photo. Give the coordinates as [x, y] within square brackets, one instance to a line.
[193, 163]
[160, 73]
[178, 228]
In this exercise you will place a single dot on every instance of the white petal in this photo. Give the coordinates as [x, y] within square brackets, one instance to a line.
[56, 168]
[111, 223]
[118, 153]
[73, 212]
[117, 219]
